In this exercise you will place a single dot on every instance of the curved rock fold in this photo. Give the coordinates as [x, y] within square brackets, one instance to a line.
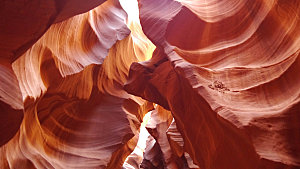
[150, 84]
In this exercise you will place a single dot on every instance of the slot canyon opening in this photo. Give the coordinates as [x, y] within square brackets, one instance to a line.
[149, 84]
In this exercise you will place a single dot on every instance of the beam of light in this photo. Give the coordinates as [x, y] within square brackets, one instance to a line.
[142, 140]
[141, 42]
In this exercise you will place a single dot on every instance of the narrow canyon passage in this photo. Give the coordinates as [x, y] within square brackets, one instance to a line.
[150, 84]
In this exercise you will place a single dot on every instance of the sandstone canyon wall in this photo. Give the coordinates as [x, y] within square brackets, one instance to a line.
[151, 84]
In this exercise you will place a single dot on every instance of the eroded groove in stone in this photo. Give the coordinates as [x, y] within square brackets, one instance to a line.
[218, 79]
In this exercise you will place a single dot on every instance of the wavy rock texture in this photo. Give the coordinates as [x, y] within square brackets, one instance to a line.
[183, 159]
[24, 22]
[70, 83]
[153, 84]
[229, 76]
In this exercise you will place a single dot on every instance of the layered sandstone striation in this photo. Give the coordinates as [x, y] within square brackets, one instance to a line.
[230, 79]
[153, 84]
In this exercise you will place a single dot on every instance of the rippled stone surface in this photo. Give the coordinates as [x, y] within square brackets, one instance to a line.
[219, 80]
[230, 79]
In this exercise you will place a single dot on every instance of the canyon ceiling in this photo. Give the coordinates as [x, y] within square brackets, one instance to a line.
[151, 84]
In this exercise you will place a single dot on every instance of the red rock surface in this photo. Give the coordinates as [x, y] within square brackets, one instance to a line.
[24, 22]
[231, 82]
[219, 80]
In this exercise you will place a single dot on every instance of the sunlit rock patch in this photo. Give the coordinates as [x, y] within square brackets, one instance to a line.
[152, 84]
